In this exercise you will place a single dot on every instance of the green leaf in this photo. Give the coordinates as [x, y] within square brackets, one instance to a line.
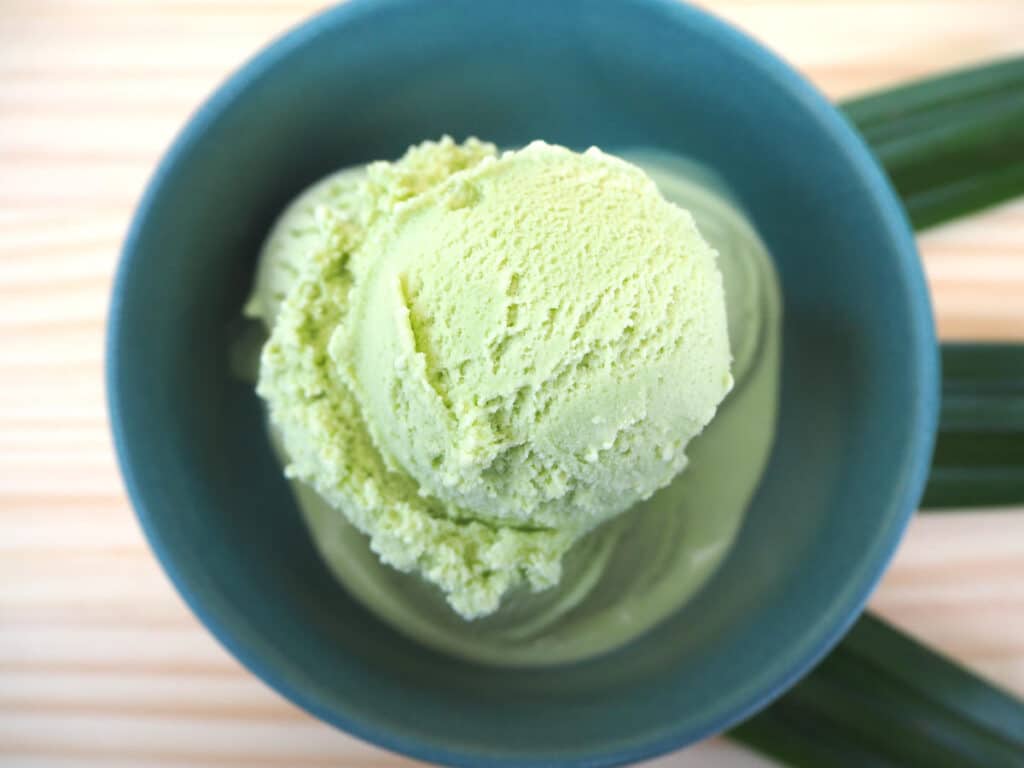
[951, 144]
[979, 453]
[883, 699]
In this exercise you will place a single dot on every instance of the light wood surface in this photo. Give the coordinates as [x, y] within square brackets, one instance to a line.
[100, 663]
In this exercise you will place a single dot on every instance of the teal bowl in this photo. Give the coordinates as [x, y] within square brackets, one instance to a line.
[363, 81]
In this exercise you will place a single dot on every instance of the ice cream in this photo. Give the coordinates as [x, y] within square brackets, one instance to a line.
[478, 358]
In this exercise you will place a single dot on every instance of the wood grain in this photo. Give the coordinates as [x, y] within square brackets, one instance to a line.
[100, 663]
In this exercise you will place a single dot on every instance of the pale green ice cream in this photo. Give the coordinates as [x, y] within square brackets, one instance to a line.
[478, 358]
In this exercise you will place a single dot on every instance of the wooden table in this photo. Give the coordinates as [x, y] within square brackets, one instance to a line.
[100, 662]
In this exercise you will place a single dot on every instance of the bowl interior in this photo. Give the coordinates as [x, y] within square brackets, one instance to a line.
[364, 81]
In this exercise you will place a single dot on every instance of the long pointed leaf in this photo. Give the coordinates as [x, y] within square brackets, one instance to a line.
[951, 144]
[979, 454]
[883, 699]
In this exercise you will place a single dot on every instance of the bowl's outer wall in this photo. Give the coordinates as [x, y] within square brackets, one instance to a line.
[364, 81]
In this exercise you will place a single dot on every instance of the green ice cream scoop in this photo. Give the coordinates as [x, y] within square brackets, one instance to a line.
[479, 358]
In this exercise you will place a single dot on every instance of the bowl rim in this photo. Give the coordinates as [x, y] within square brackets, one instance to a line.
[906, 494]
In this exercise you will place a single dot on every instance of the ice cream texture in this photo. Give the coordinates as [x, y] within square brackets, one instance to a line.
[480, 356]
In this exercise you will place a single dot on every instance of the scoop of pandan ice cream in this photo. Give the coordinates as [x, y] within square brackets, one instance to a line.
[479, 357]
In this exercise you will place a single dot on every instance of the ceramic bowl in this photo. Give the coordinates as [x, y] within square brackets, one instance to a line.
[363, 81]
